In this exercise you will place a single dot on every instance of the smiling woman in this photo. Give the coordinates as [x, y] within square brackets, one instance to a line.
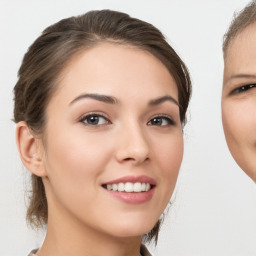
[239, 89]
[100, 106]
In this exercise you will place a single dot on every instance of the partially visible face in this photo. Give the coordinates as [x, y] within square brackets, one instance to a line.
[239, 100]
[114, 141]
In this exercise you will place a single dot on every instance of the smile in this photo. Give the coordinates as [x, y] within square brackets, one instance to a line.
[129, 187]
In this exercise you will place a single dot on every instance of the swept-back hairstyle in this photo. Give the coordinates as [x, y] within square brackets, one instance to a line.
[241, 20]
[50, 53]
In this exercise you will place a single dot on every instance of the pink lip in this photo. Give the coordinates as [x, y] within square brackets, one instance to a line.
[133, 179]
[133, 197]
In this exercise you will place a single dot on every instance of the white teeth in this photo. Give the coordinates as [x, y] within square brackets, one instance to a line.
[129, 187]
[137, 187]
[143, 186]
[120, 187]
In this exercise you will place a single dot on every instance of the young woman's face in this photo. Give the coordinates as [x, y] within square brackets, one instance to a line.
[239, 100]
[113, 141]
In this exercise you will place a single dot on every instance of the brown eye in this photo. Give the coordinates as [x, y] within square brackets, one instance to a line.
[161, 121]
[94, 120]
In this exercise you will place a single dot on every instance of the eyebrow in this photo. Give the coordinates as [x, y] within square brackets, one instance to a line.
[99, 97]
[237, 76]
[163, 99]
[112, 100]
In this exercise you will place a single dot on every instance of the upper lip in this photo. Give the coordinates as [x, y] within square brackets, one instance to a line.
[133, 179]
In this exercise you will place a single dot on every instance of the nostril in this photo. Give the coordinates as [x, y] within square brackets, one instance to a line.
[135, 159]
[132, 154]
[129, 159]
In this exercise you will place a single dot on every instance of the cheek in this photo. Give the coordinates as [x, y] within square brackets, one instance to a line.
[74, 159]
[74, 163]
[169, 154]
[169, 157]
[239, 122]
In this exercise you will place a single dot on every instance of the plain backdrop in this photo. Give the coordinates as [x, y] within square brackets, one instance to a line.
[214, 212]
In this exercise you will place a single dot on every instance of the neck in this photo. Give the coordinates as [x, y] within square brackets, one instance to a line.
[68, 236]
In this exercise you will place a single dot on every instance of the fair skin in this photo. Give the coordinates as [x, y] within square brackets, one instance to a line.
[113, 119]
[239, 100]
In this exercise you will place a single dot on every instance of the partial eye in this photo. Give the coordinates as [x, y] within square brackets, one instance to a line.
[94, 120]
[244, 88]
[161, 121]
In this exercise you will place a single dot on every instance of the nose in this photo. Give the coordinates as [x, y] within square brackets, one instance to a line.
[133, 146]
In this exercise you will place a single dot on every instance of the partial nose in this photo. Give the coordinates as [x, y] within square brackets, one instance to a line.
[133, 146]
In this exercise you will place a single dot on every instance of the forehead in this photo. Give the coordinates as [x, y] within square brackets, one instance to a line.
[241, 52]
[108, 67]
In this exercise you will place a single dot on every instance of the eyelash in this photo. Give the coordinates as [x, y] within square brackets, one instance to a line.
[96, 116]
[243, 88]
[85, 120]
[163, 117]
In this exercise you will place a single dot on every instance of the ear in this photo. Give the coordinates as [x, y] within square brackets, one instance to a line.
[30, 149]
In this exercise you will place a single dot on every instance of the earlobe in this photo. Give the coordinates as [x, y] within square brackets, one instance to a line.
[29, 149]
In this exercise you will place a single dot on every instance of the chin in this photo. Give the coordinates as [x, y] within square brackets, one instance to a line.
[134, 229]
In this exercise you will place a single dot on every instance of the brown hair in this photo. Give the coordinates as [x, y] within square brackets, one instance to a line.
[48, 55]
[241, 20]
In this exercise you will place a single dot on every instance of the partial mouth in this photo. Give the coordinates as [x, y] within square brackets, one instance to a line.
[129, 187]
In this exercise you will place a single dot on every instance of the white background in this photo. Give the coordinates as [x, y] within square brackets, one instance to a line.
[215, 202]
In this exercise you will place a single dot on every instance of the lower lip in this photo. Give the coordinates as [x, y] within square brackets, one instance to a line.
[132, 198]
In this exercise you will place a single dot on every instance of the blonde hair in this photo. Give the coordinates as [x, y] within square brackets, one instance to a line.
[241, 20]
